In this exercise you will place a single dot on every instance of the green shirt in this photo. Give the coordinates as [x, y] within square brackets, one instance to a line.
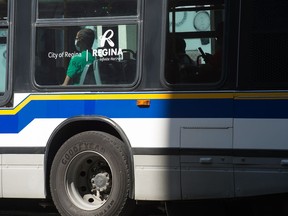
[77, 64]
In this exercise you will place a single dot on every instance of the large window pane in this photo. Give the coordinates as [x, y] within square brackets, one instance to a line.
[86, 8]
[194, 42]
[3, 58]
[263, 45]
[109, 51]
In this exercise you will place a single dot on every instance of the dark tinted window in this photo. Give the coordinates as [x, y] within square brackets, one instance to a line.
[86, 8]
[3, 10]
[264, 44]
[3, 45]
[3, 59]
[194, 42]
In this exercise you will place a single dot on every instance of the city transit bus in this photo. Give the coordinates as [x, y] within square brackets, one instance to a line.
[108, 102]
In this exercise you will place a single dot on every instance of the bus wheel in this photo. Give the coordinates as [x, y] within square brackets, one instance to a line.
[90, 175]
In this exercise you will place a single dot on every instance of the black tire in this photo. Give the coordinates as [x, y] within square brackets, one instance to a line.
[90, 176]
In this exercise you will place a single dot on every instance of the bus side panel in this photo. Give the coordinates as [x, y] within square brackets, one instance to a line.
[1, 193]
[207, 176]
[260, 146]
[23, 176]
[174, 158]
[157, 177]
[256, 176]
[206, 163]
[157, 174]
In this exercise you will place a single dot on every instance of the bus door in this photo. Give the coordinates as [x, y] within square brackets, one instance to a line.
[193, 63]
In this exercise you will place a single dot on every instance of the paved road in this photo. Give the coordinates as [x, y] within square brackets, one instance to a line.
[24, 207]
[263, 206]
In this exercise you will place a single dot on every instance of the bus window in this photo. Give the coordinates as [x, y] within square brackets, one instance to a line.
[3, 46]
[3, 10]
[194, 42]
[263, 45]
[108, 60]
[3, 57]
[86, 8]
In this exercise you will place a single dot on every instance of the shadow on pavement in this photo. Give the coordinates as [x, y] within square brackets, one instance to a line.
[276, 205]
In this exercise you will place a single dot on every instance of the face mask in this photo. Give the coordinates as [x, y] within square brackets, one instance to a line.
[76, 46]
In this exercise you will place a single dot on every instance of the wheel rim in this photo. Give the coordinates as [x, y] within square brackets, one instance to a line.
[88, 180]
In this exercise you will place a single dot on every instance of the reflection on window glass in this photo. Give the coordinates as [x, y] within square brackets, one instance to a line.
[86, 8]
[3, 9]
[200, 20]
[194, 43]
[3, 57]
[87, 55]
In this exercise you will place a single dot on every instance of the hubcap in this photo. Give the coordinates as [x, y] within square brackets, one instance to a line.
[100, 181]
[88, 180]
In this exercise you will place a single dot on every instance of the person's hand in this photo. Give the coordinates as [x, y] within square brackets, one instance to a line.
[66, 81]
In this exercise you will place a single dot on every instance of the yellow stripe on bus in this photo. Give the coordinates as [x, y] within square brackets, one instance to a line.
[151, 96]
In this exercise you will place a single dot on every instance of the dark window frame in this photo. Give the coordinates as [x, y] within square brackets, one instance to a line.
[9, 25]
[225, 72]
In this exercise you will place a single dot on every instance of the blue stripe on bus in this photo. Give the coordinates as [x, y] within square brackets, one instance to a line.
[180, 108]
[261, 109]
[159, 108]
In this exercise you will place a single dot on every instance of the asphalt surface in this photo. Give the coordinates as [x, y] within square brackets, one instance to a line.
[259, 206]
[30, 207]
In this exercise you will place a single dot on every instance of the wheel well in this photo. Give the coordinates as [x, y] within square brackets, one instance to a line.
[68, 130]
